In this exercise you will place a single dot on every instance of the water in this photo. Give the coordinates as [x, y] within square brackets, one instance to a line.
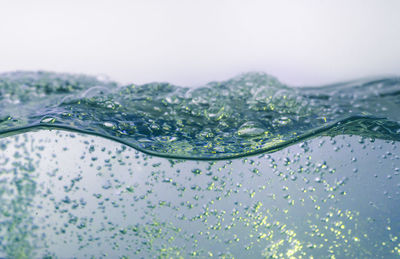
[316, 170]
[250, 114]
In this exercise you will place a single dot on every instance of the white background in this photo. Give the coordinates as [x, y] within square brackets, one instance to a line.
[192, 42]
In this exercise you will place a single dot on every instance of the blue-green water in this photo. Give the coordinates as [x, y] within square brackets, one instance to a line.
[316, 172]
[249, 114]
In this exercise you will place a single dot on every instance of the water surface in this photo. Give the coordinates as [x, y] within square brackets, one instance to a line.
[301, 172]
[250, 114]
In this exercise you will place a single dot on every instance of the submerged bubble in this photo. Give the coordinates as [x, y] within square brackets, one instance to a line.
[108, 124]
[250, 129]
[48, 120]
[196, 171]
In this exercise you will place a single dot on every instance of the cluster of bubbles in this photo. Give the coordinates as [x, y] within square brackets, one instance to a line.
[79, 196]
[65, 194]
[249, 114]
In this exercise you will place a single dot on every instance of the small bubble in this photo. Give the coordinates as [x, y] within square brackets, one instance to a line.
[196, 171]
[250, 129]
[129, 189]
[109, 125]
[48, 120]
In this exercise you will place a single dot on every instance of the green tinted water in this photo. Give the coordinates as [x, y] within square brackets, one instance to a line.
[69, 195]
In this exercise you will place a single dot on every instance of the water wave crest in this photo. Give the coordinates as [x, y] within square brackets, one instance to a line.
[248, 114]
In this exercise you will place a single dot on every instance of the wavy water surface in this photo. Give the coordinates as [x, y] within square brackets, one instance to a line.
[248, 114]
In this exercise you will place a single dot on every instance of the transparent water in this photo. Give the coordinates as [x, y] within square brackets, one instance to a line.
[322, 182]
[249, 114]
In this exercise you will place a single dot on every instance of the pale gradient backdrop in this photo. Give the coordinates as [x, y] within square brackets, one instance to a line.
[192, 42]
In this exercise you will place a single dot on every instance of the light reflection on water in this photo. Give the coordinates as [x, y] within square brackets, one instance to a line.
[72, 195]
